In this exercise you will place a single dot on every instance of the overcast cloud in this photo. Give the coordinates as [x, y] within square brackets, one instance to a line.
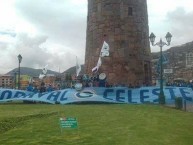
[181, 23]
[54, 32]
[64, 23]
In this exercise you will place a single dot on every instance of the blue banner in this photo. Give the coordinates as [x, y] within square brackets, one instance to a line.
[99, 94]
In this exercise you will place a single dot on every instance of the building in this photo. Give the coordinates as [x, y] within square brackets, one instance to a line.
[189, 59]
[49, 79]
[6, 81]
[124, 26]
[24, 81]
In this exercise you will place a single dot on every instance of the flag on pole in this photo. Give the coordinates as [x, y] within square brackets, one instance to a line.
[104, 50]
[41, 76]
[164, 59]
[78, 67]
[44, 72]
[45, 69]
[99, 63]
[31, 80]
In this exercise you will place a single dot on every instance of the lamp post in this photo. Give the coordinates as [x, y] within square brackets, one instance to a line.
[161, 44]
[19, 59]
[15, 74]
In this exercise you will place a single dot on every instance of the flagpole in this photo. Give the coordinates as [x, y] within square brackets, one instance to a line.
[76, 68]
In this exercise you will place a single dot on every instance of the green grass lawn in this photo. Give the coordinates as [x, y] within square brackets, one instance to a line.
[105, 124]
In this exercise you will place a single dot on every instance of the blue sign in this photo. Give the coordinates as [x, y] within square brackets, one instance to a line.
[99, 94]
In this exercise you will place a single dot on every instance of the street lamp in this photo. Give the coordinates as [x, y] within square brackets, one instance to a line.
[19, 59]
[161, 44]
[15, 74]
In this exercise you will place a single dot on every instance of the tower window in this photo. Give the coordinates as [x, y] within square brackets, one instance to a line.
[130, 11]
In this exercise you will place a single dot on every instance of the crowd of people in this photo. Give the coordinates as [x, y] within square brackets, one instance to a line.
[180, 84]
[96, 82]
[43, 88]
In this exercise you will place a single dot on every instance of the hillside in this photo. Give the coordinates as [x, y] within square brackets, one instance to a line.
[176, 60]
[177, 55]
[72, 70]
[30, 71]
[35, 72]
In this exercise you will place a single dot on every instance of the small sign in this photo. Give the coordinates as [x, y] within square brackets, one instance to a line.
[69, 122]
[168, 71]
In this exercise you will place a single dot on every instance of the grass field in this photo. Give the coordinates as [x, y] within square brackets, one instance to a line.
[105, 124]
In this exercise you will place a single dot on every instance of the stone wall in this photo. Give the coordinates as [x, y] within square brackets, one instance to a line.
[123, 24]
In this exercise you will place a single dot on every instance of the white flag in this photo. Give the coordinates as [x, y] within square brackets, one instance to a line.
[104, 50]
[44, 70]
[31, 80]
[41, 76]
[99, 63]
[78, 67]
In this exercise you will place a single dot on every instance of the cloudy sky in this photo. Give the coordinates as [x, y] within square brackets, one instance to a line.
[53, 32]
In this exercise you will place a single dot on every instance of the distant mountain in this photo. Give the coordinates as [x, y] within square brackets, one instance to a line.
[30, 71]
[184, 48]
[72, 70]
[177, 61]
[176, 55]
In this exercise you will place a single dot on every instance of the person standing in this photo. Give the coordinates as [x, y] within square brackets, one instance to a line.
[42, 87]
[29, 87]
[49, 88]
[35, 89]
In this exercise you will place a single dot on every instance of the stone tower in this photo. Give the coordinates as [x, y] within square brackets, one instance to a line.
[123, 24]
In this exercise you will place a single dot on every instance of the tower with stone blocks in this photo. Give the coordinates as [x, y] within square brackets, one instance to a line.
[123, 24]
